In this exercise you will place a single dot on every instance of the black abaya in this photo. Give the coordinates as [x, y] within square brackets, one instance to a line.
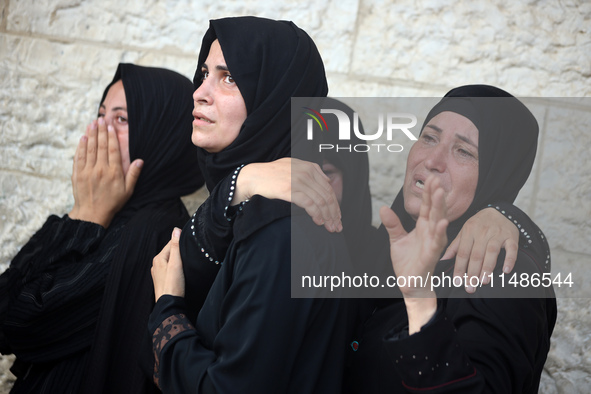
[250, 335]
[76, 299]
[486, 342]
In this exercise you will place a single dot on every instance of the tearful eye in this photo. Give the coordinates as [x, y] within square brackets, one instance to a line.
[228, 79]
[427, 138]
[466, 154]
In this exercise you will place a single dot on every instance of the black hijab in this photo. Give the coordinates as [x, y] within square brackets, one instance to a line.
[271, 61]
[507, 144]
[356, 200]
[159, 106]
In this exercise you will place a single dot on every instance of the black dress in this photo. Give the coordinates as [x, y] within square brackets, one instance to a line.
[75, 301]
[56, 285]
[251, 336]
[473, 344]
[497, 339]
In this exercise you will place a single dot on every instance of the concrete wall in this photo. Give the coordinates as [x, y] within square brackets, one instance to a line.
[57, 56]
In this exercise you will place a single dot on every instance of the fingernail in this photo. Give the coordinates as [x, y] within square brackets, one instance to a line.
[176, 233]
[484, 279]
[469, 289]
[139, 163]
[93, 125]
[101, 121]
[110, 128]
[506, 270]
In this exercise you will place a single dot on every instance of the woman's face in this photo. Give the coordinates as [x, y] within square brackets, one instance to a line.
[219, 109]
[448, 149]
[114, 110]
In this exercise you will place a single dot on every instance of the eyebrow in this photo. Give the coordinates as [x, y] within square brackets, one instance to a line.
[220, 67]
[461, 137]
[113, 109]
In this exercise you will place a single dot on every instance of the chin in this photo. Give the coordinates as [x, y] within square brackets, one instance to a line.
[412, 207]
[198, 142]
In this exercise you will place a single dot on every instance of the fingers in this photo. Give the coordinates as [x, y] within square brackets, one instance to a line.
[480, 248]
[112, 152]
[452, 249]
[102, 150]
[464, 248]
[323, 210]
[175, 278]
[174, 260]
[311, 190]
[438, 217]
[133, 175]
[163, 256]
[433, 207]
[392, 224]
[480, 242]
[80, 156]
[91, 147]
[158, 270]
[511, 249]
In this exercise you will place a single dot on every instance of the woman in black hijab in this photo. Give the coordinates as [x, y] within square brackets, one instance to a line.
[483, 342]
[76, 298]
[250, 335]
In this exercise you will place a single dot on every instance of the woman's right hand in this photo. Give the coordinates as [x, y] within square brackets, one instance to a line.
[414, 255]
[99, 185]
[300, 182]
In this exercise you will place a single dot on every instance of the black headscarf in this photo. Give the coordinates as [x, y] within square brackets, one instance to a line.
[356, 201]
[271, 61]
[507, 144]
[159, 106]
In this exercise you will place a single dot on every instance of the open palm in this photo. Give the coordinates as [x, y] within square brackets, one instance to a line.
[415, 254]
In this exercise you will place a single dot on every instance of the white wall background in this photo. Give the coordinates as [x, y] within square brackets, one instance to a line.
[56, 57]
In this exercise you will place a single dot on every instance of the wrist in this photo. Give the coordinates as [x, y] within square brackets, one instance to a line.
[90, 216]
[420, 311]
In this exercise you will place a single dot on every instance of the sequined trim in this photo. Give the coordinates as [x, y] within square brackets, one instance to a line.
[523, 233]
[231, 194]
[228, 218]
[201, 248]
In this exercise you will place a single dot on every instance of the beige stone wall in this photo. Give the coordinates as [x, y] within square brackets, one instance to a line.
[56, 56]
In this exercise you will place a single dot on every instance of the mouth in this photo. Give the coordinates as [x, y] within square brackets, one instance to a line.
[420, 184]
[199, 117]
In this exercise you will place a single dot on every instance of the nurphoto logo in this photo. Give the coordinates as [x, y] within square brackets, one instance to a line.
[394, 124]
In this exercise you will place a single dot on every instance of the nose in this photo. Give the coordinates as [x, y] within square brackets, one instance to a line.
[436, 160]
[203, 93]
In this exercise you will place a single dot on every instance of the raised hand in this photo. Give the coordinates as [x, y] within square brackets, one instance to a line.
[99, 185]
[415, 254]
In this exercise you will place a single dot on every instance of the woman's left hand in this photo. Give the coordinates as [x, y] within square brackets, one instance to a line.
[479, 243]
[167, 269]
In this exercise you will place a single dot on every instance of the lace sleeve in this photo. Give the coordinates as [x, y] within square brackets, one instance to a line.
[169, 329]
